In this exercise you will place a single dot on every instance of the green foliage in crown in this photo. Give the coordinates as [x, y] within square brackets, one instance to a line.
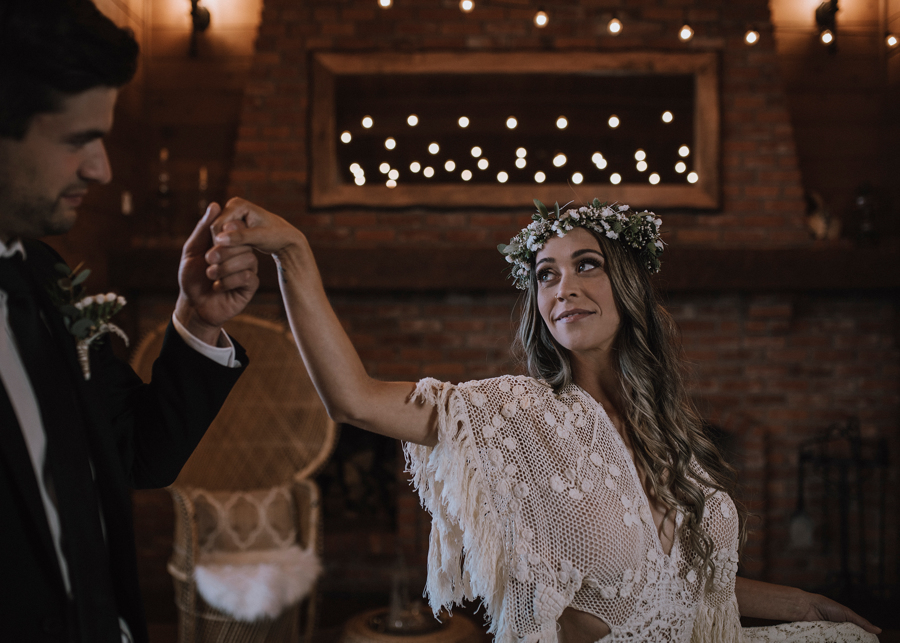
[637, 231]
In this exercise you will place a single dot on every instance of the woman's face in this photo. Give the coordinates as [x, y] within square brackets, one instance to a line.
[574, 293]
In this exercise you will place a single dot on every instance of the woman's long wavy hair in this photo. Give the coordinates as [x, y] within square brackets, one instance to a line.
[665, 429]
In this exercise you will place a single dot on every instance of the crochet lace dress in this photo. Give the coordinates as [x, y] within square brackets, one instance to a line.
[536, 506]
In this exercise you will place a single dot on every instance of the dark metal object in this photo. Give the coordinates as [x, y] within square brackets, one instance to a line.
[846, 464]
[200, 20]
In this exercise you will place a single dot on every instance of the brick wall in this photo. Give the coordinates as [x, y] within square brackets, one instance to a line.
[762, 196]
[772, 368]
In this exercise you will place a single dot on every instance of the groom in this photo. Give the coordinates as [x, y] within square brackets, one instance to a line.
[71, 448]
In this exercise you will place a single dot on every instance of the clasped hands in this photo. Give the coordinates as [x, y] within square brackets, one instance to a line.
[213, 291]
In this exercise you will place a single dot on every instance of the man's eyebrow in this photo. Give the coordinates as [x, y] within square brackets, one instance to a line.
[80, 138]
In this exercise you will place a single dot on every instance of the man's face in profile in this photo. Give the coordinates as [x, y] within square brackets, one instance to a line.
[44, 177]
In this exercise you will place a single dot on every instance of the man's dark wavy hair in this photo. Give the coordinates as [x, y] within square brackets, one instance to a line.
[51, 49]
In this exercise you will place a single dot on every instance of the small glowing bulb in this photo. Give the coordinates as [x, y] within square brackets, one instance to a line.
[615, 178]
[466, 6]
[826, 37]
[667, 117]
[466, 175]
[559, 160]
[614, 27]
[412, 120]
[511, 122]
[577, 178]
[640, 155]
[641, 166]
[355, 168]
[751, 37]
[654, 178]
[541, 19]
[482, 164]
[360, 179]
[390, 143]
[596, 157]
[428, 172]
[434, 148]
[684, 151]
[680, 167]
[601, 164]
[449, 166]
[521, 152]
[391, 183]
[414, 167]
[476, 151]
[367, 122]
[686, 33]
[539, 177]
[891, 40]
[502, 177]
[394, 175]
[384, 168]
[463, 121]
[346, 137]
[562, 123]
[520, 163]
[613, 121]
[693, 177]
[385, 4]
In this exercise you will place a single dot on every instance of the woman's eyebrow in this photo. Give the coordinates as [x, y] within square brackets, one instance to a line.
[583, 251]
[549, 259]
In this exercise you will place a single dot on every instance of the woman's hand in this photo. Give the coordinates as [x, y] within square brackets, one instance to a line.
[822, 608]
[244, 223]
[757, 599]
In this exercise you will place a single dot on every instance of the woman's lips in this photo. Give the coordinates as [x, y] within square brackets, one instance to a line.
[571, 316]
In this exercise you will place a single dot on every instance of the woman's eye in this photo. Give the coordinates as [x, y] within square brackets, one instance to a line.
[543, 275]
[588, 264]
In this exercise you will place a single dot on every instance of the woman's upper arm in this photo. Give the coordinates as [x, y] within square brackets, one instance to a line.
[392, 409]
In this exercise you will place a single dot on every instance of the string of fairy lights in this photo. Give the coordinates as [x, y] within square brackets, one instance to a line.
[479, 160]
[614, 26]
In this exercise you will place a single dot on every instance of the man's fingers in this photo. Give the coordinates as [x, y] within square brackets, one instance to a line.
[243, 280]
[234, 264]
[200, 240]
[221, 254]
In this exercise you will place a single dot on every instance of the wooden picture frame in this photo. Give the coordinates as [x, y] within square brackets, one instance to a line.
[328, 189]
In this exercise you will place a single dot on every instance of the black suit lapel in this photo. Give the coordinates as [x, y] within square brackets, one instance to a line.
[17, 461]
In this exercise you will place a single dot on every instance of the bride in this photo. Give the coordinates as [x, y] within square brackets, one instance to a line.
[582, 502]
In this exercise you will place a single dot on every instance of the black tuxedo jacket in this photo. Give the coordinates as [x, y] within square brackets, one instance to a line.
[139, 436]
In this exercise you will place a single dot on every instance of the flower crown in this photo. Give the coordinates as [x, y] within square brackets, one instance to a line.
[637, 231]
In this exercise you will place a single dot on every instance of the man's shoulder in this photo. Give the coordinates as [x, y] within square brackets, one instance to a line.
[39, 253]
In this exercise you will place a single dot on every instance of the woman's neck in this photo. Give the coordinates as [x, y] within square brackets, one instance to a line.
[599, 378]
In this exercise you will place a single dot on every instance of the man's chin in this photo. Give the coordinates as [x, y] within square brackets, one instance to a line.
[62, 222]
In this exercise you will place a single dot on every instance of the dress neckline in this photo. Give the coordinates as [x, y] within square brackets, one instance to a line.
[602, 416]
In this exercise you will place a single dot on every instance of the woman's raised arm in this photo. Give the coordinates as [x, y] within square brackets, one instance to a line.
[349, 394]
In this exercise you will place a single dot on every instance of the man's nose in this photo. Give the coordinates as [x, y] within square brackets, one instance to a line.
[95, 167]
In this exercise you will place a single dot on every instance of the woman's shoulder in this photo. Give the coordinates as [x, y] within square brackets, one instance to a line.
[507, 386]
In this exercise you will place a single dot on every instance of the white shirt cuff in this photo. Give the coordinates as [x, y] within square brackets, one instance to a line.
[224, 355]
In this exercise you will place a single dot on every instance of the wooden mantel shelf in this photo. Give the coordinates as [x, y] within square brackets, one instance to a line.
[459, 269]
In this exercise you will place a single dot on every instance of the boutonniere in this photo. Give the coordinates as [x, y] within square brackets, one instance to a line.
[86, 317]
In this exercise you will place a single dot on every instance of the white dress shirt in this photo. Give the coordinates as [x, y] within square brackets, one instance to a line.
[25, 405]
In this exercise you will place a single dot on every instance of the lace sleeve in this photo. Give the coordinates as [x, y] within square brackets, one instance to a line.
[465, 554]
[718, 618]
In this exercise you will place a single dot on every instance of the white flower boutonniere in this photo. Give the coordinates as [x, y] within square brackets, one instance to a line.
[86, 317]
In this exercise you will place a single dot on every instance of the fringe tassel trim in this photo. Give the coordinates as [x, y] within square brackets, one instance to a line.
[466, 557]
[720, 624]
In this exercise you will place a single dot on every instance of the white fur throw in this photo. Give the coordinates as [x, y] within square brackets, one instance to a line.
[251, 585]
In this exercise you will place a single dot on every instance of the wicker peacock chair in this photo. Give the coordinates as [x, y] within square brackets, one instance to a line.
[247, 491]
